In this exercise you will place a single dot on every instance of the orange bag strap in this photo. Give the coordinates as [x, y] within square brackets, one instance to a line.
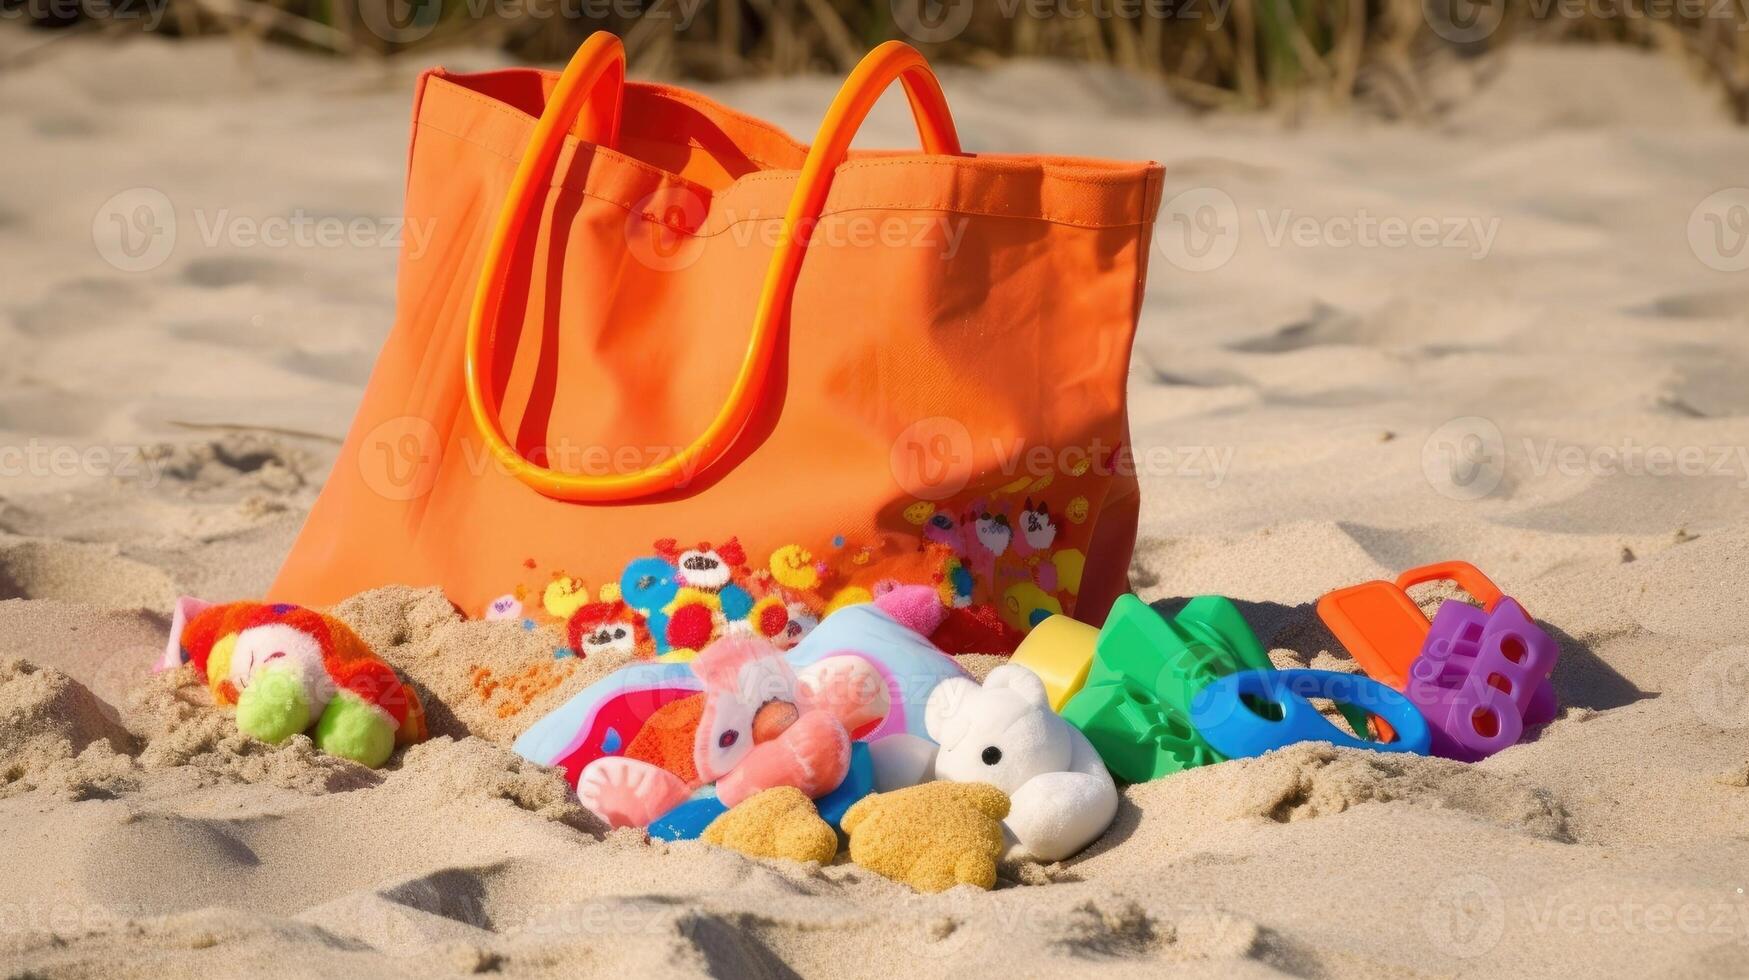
[602, 57]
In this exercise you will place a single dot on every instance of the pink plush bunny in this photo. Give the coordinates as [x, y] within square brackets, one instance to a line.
[759, 727]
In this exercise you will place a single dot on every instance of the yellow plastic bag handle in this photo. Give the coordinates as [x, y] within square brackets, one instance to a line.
[603, 58]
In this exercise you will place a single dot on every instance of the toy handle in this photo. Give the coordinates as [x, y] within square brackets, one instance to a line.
[597, 69]
[1467, 576]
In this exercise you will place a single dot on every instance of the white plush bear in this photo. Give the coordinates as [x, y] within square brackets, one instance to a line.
[1004, 733]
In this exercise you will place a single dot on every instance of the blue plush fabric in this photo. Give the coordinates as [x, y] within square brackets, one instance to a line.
[688, 820]
[858, 783]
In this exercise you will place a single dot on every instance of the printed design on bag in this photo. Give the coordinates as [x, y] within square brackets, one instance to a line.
[609, 627]
[1001, 560]
[1002, 550]
[690, 597]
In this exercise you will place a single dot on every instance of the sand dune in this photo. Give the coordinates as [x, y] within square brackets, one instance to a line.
[1295, 398]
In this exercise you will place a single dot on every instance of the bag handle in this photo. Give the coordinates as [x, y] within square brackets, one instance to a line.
[601, 58]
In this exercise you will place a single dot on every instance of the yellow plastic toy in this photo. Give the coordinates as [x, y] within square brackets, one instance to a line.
[1059, 650]
[931, 836]
[780, 822]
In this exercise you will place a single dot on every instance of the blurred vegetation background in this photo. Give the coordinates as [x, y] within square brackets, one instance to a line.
[1212, 53]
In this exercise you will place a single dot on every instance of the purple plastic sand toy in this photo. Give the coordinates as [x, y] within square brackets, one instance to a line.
[1482, 677]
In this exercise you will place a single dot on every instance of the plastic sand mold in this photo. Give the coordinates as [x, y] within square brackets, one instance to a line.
[1135, 704]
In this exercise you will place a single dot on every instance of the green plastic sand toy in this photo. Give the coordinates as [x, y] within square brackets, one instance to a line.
[1135, 704]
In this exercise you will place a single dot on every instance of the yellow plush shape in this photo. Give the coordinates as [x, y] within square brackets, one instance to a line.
[931, 836]
[218, 662]
[780, 822]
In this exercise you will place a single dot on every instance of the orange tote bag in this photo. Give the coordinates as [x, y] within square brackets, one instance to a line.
[662, 365]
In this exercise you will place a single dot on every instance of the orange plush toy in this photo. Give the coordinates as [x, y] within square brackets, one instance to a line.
[286, 668]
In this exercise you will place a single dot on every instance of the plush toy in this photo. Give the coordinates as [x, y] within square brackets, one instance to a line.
[932, 836]
[902, 760]
[858, 783]
[1005, 734]
[892, 635]
[780, 822]
[286, 668]
[755, 726]
[872, 665]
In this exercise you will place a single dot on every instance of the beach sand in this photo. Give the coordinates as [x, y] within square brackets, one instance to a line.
[1291, 406]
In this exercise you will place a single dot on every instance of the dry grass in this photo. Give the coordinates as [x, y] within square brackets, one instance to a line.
[1213, 53]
